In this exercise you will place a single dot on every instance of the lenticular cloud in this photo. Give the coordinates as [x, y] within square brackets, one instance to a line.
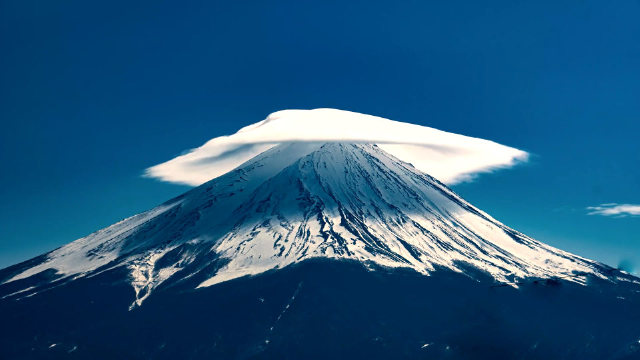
[449, 157]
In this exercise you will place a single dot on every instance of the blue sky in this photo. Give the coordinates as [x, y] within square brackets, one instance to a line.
[92, 94]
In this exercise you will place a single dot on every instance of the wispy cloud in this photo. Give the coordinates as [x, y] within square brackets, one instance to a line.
[614, 209]
[449, 157]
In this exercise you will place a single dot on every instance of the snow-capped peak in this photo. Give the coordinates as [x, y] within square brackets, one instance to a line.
[298, 201]
[355, 201]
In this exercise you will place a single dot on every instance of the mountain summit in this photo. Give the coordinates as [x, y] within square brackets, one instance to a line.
[300, 201]
[335, 205]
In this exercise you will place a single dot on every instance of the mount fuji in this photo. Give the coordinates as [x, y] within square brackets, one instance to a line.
[312, 250]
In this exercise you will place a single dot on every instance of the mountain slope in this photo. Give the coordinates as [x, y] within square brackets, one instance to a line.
[353, 254]
[323, 308]
[356, 201]
[300, 201]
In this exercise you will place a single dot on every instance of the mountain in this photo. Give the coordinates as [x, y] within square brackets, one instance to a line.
[317, 250]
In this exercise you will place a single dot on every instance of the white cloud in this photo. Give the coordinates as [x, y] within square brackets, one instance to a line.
[613, 209]
[449, 157]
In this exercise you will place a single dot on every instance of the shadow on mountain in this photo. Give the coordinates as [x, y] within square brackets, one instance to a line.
[323, 309]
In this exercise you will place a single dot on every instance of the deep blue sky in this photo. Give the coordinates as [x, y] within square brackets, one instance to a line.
[93, 93]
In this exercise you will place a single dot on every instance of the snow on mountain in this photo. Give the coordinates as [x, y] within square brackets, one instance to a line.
[356, 201]
[298, 201]
[451, 158]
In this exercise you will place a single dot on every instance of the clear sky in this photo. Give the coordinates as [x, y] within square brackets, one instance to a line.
[91, 94]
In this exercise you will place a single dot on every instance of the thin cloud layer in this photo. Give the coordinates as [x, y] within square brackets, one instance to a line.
[613, 209]
[449, 157]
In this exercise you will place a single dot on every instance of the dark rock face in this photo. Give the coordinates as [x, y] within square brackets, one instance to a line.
[323, 309]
